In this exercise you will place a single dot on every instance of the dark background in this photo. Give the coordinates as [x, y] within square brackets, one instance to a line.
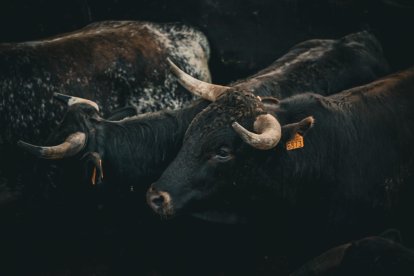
[245, 35]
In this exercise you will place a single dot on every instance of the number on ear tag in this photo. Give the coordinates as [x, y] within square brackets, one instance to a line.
[295, 143]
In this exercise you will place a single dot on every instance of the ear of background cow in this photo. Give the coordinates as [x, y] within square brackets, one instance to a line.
[325, 264]
[392, 235]
[270, 103]
[302, 127]
[368, 256]
[123, 112]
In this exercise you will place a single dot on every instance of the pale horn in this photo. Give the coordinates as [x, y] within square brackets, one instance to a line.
[70, 100]
[268, 132]
[73, 144]
[197, 87]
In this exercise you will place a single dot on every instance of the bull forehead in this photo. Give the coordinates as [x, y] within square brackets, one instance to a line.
[228, 108]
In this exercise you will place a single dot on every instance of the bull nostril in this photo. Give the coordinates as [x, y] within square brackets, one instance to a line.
[158, 200]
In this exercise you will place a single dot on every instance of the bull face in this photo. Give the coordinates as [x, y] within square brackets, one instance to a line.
[217, 149]
[209, 154]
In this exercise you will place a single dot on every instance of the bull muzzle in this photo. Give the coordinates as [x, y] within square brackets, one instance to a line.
[160, 202]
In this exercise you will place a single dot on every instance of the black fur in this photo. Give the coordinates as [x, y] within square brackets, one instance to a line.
[321, 66]
[133, 149]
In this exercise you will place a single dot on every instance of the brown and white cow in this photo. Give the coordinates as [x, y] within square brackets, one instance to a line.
[113, 63]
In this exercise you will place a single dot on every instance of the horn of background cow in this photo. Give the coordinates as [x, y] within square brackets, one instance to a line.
[72, 145]
[70, 100]
[268, 133]
[197, 87]
[270, 103]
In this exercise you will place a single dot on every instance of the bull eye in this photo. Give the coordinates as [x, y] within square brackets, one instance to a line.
[222, 154]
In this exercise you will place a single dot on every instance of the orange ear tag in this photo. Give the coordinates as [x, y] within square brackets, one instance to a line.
[100, 165]
[93, 176]
[295, 143]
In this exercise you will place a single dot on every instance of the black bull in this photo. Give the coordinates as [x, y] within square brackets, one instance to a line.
[319, 169]
[113, 63]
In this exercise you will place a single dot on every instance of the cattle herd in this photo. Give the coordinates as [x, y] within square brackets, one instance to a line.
[118, 156]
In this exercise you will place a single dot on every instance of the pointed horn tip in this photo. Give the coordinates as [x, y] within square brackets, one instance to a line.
[60, 95]
[237, 126]
[197, 87]
[265, 138]
[176, 70]
[23, 144]
[179, 73]
[172, 64]
[240, 130]
[29, 147]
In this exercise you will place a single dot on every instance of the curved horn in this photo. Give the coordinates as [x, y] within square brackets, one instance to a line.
[72, 145]
[197, 87]
[268, 131]
[70, 100]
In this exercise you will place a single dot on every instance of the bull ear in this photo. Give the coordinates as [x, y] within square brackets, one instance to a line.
[123, 112]
[270, 103]
[289, 131]
[392, 235]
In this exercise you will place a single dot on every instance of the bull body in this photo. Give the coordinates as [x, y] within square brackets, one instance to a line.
[351, 177]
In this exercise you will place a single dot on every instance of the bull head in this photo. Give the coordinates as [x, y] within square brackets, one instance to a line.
[267, 128]
[72, 145]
